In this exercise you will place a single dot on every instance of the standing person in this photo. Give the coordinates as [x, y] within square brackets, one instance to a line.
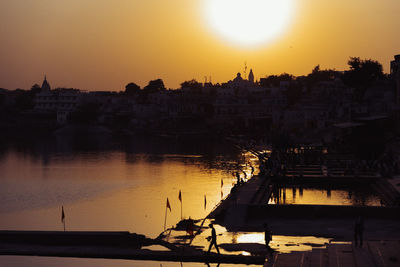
[238, 178]
[213, 239]
[190, 227]
[268, 238]
[358, 231]
[245, 176]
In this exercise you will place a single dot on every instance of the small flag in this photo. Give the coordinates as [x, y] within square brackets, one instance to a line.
[62, 214]
[180, 196]
[222, 183]
[168, 205]
[205, 202]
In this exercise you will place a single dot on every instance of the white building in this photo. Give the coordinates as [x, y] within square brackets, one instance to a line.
[60, 101]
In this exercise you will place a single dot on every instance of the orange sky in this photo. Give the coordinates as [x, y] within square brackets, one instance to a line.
[103, 44]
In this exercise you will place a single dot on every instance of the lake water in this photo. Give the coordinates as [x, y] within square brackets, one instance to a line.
[110, 186]
[107, 185]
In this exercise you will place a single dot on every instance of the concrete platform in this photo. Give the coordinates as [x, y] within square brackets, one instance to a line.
[374, 253]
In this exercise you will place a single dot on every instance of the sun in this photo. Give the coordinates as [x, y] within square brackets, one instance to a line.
[249, 22]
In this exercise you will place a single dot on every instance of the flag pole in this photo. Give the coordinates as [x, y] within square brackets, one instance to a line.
[165, 220]
[181, 207]
[222, 185]
[180, 199]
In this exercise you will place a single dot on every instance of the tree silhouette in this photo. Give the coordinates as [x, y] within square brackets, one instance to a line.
[275, 80]
[194, 86]
[317, 75]
[354, 63]
[362, 74]
[155, 86]
[132, 89]
[191, 84]
[36, 88]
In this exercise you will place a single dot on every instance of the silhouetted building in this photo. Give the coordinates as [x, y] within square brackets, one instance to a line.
[395, 71]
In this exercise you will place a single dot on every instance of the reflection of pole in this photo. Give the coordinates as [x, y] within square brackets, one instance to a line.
[63, 216]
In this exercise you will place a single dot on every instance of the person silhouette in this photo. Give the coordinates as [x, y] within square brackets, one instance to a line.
[190, 227]
[268, 238]
[213, 239]
[238, 178]
[358, 231]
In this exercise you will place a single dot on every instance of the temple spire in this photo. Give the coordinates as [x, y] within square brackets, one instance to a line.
[45, 84]
[251, 76]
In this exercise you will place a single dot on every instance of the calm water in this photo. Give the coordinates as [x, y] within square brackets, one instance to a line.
[104, 185]
[122, 186]
[362, 195]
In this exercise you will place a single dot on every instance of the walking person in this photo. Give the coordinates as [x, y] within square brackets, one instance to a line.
[213, 239]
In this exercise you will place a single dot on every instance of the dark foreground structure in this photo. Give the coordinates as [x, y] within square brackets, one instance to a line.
[107, 245]
[123, 245]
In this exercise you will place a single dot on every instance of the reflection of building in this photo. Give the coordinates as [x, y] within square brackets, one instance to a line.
[395, 71]
[59, 101]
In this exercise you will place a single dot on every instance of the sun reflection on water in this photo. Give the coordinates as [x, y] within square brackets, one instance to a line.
[251, 238]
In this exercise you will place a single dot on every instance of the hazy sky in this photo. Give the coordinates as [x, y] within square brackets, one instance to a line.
[104, 44]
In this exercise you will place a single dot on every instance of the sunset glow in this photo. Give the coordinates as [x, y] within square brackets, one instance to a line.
[103, 45]
[249, 22]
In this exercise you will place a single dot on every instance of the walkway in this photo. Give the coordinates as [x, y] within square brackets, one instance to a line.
[372, 254]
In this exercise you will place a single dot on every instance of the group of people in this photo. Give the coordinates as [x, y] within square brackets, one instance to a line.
[267, 236]
[358, 236]
[241, 180]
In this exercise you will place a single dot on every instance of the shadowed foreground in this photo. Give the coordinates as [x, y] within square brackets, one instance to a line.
[107, 245]
[373, 253]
